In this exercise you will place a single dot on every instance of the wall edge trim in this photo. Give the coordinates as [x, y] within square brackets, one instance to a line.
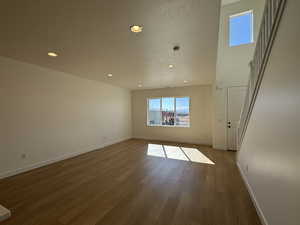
[258, 209]
[169, 140]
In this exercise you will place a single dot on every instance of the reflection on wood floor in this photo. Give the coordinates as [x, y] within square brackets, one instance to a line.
[135, 182]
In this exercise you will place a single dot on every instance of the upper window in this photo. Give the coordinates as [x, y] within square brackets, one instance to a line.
[169, 111]
[241, 29]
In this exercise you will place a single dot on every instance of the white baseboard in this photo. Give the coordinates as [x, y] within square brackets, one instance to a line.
[220, 147]
[170, 140]
[57, 159]
[255, 202]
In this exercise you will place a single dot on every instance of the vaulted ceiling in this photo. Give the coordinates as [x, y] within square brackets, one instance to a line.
[93, 39]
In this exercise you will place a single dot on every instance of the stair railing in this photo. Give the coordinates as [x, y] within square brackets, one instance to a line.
[270, 21]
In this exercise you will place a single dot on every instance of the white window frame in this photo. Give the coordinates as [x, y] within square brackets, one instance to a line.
[161, 125]
[252, 27]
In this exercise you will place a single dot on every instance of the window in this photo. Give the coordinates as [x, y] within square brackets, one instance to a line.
[169, 111]
[241, 29]
[154, 115]
[182, 112]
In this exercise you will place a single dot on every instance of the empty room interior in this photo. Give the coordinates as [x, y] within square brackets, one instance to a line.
[138, 112]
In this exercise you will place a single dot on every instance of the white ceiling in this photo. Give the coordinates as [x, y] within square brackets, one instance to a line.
[92, 38]
[226, 2]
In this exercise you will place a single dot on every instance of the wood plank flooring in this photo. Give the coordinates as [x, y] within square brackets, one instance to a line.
[121, 184]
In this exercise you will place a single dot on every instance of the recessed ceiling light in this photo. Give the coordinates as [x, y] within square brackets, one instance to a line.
[171, 66]
[185, 81]
[109, 75]
[140, 85]
[136, 28]
[52, 54]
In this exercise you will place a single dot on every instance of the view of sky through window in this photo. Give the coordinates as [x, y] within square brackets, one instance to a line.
[182, 105]
[154, 104]
[168, 104]
[241, 29]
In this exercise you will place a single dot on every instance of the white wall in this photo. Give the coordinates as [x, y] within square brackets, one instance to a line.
[49, 115]
[271, 147]
[200, 115]
[232, 64]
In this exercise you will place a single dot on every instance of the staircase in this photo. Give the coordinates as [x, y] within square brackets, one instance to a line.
[270, 22]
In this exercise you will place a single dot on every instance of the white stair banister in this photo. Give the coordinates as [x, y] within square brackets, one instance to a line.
[270, 22]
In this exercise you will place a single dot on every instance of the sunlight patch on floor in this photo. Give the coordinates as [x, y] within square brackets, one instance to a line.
[155, 150]
[174, 152]
[178, 153]
[196, 156]
[4, 213]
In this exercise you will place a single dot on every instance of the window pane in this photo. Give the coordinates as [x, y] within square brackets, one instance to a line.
[240, 29]
[183, 111]
[154, 115]
[168, 113]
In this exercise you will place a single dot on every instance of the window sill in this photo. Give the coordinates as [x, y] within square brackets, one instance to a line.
[241, 45]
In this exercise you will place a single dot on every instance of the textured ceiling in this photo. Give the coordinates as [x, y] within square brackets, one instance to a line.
[92, 38]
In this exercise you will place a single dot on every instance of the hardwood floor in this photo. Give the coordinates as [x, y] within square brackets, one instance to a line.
[121, 184]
